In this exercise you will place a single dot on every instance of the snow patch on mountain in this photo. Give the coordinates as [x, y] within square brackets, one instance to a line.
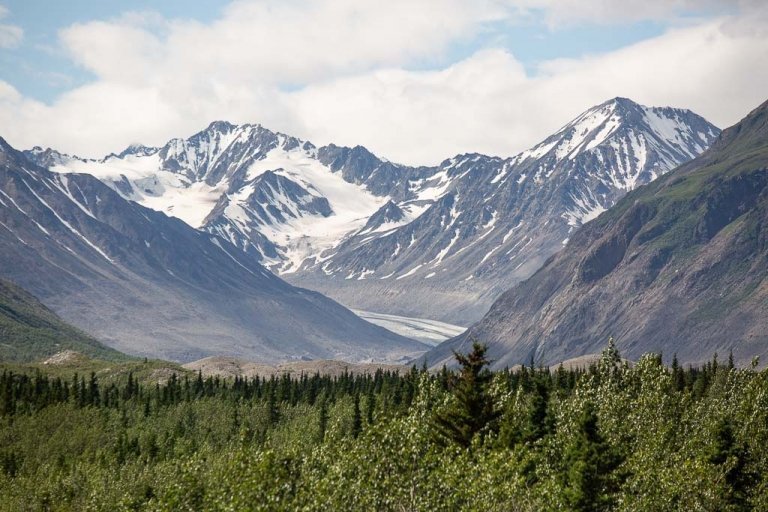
[140, 178]
[306, 236]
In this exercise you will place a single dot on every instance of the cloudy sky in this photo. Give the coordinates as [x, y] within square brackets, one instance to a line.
[416, 81]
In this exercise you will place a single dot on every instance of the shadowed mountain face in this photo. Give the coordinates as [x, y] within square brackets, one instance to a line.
[429, 242]
[29, 331]
[148, 284]
[677, 266]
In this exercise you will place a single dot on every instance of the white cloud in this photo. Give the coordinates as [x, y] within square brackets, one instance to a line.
[487, 103]
[337, 71]
[470, 106]
[10, 35]
[276, 41]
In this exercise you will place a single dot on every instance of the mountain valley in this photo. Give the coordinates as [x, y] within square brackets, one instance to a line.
[439, 243]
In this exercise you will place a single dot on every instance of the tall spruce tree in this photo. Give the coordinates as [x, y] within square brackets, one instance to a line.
[322, 419]
[472, 411]
[370, 405]
[357, 420]
[733, 457]
[539, 422]
[590, 484]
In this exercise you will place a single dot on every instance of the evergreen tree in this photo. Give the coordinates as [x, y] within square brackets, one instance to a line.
[357, 420]
[590, 461]
[678, 377]
[538, 420]
[732, 456]
[323, 419]
[472, 410]
[273, 412]
[128, 391]
[370, 405]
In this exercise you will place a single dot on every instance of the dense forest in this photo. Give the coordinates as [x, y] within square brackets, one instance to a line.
[615, 436]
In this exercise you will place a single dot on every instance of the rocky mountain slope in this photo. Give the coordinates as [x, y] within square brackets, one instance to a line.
[677, 266]
[30, 331]
[432, 242]
[148, 284]
[488, 222]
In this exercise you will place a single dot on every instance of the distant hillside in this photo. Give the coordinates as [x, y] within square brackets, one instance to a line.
[677, 266]
[29, 331]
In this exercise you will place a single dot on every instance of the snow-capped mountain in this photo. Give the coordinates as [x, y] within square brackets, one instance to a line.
[679, 267]
[434, 242]
[486, 223]
[265, 192]
[151, 285]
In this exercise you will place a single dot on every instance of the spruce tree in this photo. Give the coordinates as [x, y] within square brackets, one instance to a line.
[370, 405]
[538, 420]
[590, 461]
[273, 411]
[472, 411]
[323, 420]
[357, 420]
[678, 377]
[732, 456]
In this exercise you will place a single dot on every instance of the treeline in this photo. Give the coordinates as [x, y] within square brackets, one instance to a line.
[610, 437]
[21, 393]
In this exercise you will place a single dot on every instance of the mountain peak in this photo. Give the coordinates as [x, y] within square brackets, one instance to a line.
[622, 122]
[386, 217]
[135, 149]
[474, 223]
[220, 126]
[677, 266]
[622, 102]
[5, 147]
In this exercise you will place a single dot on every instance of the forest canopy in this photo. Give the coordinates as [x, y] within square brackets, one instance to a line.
[614, 436]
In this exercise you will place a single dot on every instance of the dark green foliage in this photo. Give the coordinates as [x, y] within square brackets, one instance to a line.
[357, 420]
[323, 421]
[732, 457]
[612, 437]
[473, 410]
[273, 413]
[538, 420]
[370, 405]
[590, 483]
[678, 376]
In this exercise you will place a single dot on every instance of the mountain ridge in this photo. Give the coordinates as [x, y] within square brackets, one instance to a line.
[677, 266]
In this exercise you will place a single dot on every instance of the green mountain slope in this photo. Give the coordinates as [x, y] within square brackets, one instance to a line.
[677, 266]
[30, 331]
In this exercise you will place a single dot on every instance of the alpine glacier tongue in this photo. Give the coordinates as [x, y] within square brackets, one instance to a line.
[429, 242]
